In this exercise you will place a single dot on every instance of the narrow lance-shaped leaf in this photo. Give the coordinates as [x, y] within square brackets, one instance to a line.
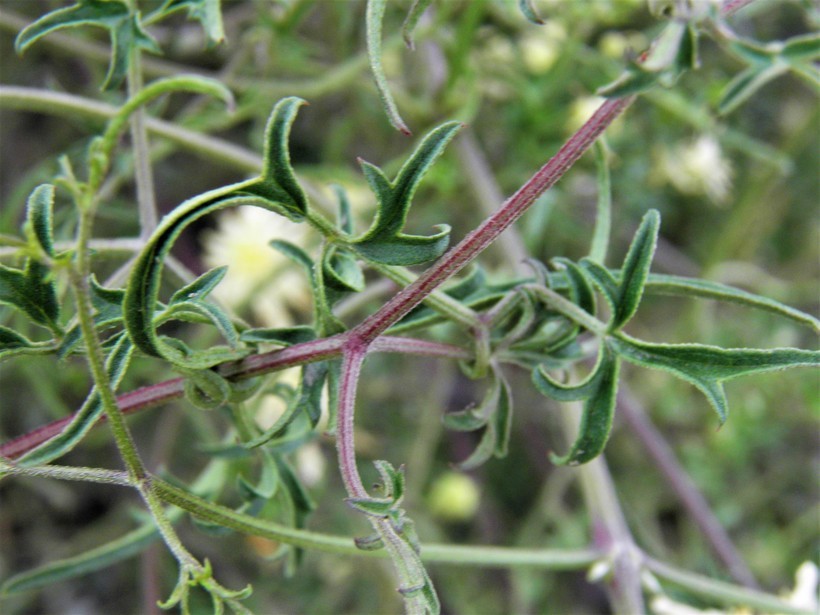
[411, 21]
[707, 367]
[663, 284]
[636, 267]
[746, 83]
[384, 242]
[373, 21]
[32, 292]
[599, 391]
[86, 417]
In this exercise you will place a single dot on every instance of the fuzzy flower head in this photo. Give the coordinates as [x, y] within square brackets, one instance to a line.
[698, 168]
[258, 275]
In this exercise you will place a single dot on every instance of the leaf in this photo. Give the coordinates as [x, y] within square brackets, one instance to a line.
[495, 439]
[275, 190]
[374, 16]
[284, 336]
[599, 391]
[581, 294]
[746, 83]
[805, 47]
[636, 268]
[32, 291]
[341, 270]
[40, 216]
[268, 482]
[206, 12]
[662, 284]
[624, 294]
[384, 242]
[124, 29]
[707, 367]
[117, 362]
[12, 343]
[201, 287]
[411, 21]
[527, 8]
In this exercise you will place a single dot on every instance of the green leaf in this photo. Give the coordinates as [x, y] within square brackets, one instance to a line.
[206, 12]
[746, 83]
[32, 291]
[341, 270]
[12, 343]
[411, 21]
[599, 391]
[117, 362]
[384, 242]
[374, 16]
[123, 25]
[40, 216]
[496, 411]
[624, 294]
[632, 81]
[804, 48]
[707, 367]
[527, 8]
[581, 293]
[603, 215]
[201, 287]
[662, 284]
[635, 269]
[275, 190]
[268, 483]
[284, 336]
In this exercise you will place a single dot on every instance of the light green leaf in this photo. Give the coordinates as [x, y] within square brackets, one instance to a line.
[746, 83]
[411, 21]
[804, 48]
[384, 242]
[206, 12]
[707, 367]
[373, 23]
[662, 284]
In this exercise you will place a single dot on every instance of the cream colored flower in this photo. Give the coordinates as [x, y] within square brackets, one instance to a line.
[698, 168]
[257, 274]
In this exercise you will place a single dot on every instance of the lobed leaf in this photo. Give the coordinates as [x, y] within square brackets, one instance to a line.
[384, 242]
[275, 190]
[124, 28]
[707, 367]
[207, 12]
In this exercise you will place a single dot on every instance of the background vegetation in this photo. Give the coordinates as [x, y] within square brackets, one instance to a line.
[737, 194]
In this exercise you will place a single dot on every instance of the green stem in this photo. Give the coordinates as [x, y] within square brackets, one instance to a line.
[144, 178]
[568, 309]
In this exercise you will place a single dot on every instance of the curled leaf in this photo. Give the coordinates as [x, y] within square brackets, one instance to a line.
[373, 19]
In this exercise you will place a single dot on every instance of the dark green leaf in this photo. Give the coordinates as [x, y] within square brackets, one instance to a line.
[599, 408]
[31, 291]
[636, 267]
[12, 343]
[375, 507]
[268, 482]
[39, 217]
[581, 293]
[805, 47]
[86, 417]
[384, 242]
[125, 31]
[342, 270]
[345, 217]
[475, 417]
[206, 389]
[707, 367]
[284, 336]
[393, 480]
[632, 81]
